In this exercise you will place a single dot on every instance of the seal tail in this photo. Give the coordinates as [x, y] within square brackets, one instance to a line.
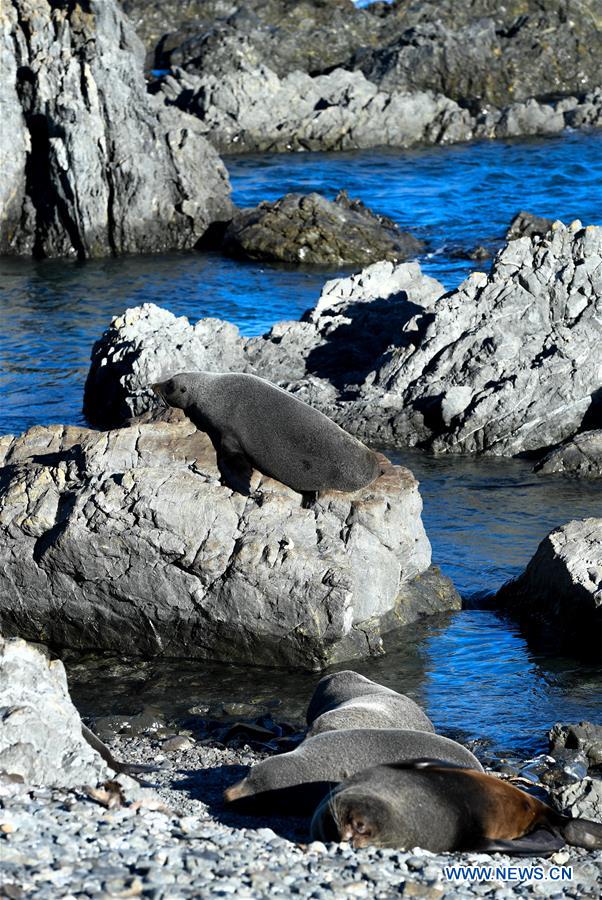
[581, 833]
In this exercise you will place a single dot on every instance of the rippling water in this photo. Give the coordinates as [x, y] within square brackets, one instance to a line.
[473, 670]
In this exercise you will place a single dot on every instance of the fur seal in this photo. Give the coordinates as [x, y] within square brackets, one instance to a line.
[255, 425]
[350, 700]
[438, 807]
[297, 781]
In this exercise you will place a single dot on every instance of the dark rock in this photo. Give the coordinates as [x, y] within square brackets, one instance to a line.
[540, 48]
[562, 585]
[127, 541]
[525, 224]
[287, 35]
[94, 165]
[311, 229]
[581, 456]
[40, 730]
[585, 737]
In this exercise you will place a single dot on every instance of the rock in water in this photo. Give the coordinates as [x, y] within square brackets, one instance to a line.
[581, 456]
[562, 585]
[94, 166]
[40, 729]
[311, 229]
[127, 541]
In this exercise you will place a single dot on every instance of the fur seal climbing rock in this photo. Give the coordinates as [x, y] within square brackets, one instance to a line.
[438, 807]
[255, 425]
[350, 700]
[297, 781]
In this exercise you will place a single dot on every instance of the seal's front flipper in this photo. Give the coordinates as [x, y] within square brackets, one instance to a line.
[234, 465]
[537, 843]
[582, 833]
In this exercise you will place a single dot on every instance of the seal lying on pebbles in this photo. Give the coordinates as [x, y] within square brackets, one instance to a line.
[349, 700]
[442, 808]
[255, 425]
[297, 781]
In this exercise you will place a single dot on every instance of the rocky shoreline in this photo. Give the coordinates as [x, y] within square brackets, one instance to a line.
[114, 838]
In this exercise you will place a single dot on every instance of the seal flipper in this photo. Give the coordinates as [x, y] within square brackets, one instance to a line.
[234, 466]
[115, 764]
[582, 833]
[540, 842]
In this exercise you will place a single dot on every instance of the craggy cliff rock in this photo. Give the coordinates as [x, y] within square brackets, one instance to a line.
[581, 456]
[127, 541]
[40, 730]
[562, 585]
[502, 365]
[95, 166]
[311, 229]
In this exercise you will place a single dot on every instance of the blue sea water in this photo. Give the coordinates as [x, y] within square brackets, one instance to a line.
[473, 670]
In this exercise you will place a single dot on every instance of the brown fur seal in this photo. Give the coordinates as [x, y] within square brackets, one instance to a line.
[441, 808]
[349, 700]
[295, 782]
[255, 425]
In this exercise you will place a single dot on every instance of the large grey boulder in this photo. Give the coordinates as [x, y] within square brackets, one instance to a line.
[308, 228]
[40, 730]
[581, 456]
[505, 364]
[127, 541]
[562, 585]
[92, 165]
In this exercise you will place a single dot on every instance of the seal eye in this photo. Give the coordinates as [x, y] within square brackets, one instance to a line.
[182, 390]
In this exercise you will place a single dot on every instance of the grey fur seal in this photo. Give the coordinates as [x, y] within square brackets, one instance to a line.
[350, 700]
[441, 808]
[255, 425]
[297, 781]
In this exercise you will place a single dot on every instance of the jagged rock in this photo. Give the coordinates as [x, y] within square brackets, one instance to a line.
[562, 585]
[583, 799]
[585, 737]
[311, 229]
[342, 337]
[502, 365]
[94, 165]
[496, 62]
[256, 110]
[581, 456]
[525, 224]
[127, 541]
[252, 109]
[40, 730]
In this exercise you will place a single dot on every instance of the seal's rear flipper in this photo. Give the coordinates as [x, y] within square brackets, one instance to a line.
[582, 833]
[115, 764]
[537, 843]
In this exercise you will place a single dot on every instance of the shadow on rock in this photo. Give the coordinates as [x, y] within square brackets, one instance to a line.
[354, 349]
